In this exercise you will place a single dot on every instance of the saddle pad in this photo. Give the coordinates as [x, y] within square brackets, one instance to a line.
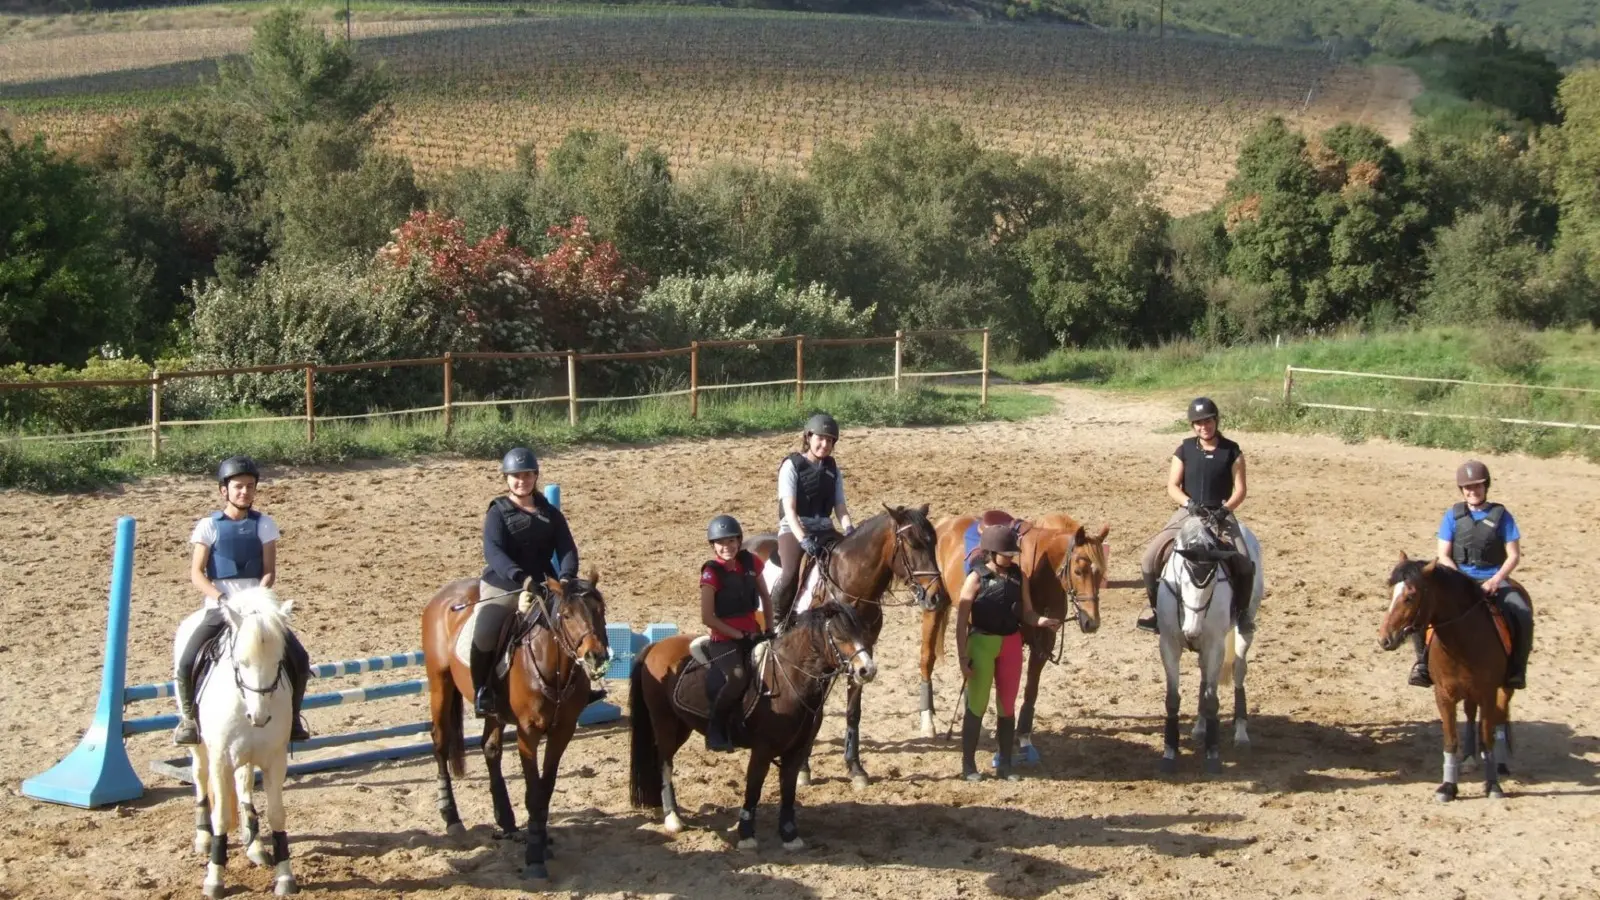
[802, 600]
[1502, 626]
[974, 534]
[689, 694]
[514, 624]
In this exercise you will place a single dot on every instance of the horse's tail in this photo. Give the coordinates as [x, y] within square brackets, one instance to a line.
[455, 733]
[644, 782]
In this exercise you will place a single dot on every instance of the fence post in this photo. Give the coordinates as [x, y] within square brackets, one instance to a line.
[694, 379]
[899, 355]
[800, 370]
[311, 415]
[449, 385]
[572, 388]
[155, 413]
[983, 391]
[1288, 383]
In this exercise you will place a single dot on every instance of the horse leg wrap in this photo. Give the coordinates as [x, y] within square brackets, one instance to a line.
[747, 824]
[1241, 709]
[669, 797]
[219, 850]
[788, 828]
[280, 847]
[927, 696]
[1170, 733]
[1452, 768]
[202, 816]
[1025, 721]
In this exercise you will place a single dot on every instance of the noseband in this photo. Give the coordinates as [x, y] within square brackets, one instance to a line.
[1064, 576]
[238, 677]
[550, 619]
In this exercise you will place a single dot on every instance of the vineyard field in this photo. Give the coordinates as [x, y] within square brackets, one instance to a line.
[714, 86]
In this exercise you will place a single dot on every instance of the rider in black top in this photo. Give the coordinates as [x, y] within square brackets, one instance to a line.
[1207, 475]
[810, 494]
[523, 536]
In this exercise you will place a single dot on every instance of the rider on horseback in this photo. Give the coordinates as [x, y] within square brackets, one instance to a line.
[731, 591]
[1207, 476]
[810, 493]
[1481, 540]
[995, 602]
[235, 548]
[522, 534]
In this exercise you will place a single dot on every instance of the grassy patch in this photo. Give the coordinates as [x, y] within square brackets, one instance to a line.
[487, 433]
[1250, 381]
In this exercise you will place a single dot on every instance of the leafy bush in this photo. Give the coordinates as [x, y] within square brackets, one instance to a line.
[76, 409]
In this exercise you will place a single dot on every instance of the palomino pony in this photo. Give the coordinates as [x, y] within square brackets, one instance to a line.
[1195, 611]
[789, 689]
[244, 711]
[1064, 566]
[1466, 659]
[897, 543]
[557, 651]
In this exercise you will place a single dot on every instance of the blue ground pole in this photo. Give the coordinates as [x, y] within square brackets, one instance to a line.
[98, 773]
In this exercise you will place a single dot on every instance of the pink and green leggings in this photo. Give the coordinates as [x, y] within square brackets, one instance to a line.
[996, 663]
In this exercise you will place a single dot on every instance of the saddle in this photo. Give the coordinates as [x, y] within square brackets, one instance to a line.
[1504, 625]
[689, 695]
[204, 663]
[986, 519]
[1236, 571]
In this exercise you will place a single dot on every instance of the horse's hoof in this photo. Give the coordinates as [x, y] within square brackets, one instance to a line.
[1241, 744]
[1168, 765]
[535, 872]
[455, 829]
[514, 834]
[802, 780]
[796, 844]
[259, 855]
[1502, 769]
[859, 781]
[286, 887]
[1213, 765]
[926, 729]
[747, 843]
[673, 824]
[1469, 763]
[1445, 793]
[213, 891]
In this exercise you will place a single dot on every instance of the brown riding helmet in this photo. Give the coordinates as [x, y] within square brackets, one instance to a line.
[998, 539]
[1472, 472]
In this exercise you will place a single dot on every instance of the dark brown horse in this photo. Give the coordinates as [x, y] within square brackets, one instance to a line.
[897, 543]
[1466, 658]
[1065, 567]
[559, 650]
[789, 692]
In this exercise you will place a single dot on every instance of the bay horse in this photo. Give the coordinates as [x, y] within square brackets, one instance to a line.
[558, 650]
[1195, 611]
[789, 689]
[244, 711]
[898, 543]
[1064, 566]
[1466, 659]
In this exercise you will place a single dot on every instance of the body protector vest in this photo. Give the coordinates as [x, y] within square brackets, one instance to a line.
[531, 537]
[815, 486]
[238, 552]
[1478, 543]
[998, 607]
[1208, 476]
[737, 594]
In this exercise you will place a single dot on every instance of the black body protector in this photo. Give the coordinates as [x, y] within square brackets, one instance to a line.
[1478, 543]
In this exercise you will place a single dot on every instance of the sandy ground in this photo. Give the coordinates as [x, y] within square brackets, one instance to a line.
[1335, 798]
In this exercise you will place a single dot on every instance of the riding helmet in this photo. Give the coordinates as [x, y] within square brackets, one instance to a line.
[1201, 409]
[998, 539]
[823, 424]
[234, 466]
[724, 526]
[520, 459]
[1472, 472]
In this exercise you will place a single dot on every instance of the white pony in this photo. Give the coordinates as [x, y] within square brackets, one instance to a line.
[1194, 611]
[244, 712]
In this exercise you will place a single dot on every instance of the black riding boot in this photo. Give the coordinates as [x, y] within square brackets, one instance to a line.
[1245, 571]
[1419, 672]
[487, 700]
[1517, 665]
[299, 675]
[1005, 731]
[783, 599]
[1147, 622]
[971, 730]
[186, 734]
[717, 740]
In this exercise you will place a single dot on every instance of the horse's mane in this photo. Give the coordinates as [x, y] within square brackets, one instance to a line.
[1194, 533]
[1411, 571]
[264, 629]
[814, 621]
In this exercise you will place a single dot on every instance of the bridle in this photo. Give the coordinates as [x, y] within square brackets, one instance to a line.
[828, 675]
[238, 677]
[550, 619]
[1413, 626]
[918, 580]
[1064, 576]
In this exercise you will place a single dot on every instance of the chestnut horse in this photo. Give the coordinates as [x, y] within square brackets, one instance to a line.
[1465, 657]
[1064, 566]
[559, 649]
[897, 543]
[824, 640]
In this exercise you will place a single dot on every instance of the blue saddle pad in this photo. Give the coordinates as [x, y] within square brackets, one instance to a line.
[969, 543]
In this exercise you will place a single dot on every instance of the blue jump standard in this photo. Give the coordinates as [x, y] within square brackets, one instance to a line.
[98, 772]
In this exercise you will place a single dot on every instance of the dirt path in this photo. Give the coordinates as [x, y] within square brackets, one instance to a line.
[1388, 108]
[1335, 799]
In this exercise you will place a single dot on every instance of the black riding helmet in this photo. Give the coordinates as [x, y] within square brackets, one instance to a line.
[723, 527]
[823, 424]
[1472, 472]
[1201, 409]
[234, 466]
[520, 459]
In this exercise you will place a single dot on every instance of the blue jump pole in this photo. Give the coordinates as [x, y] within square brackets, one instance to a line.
[98, 773]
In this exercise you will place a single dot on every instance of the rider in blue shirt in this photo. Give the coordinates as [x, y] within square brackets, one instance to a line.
[1482, 541]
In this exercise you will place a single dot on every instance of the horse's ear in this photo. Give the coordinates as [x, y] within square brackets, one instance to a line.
[893, 511]
[552, 585]
[1428, 569]
[231, 615]
[1403, 558]
[286, 608]
[1104, 530]
[594, 576]
[923, 509]
[1080, 536]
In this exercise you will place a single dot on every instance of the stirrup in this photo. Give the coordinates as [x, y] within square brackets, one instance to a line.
[298, 731]
[1147, 622]
[186, 734]
[483, 703]
[1419, 676]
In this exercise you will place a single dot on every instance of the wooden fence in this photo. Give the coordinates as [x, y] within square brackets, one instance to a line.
[1288, 397]
[449, 402]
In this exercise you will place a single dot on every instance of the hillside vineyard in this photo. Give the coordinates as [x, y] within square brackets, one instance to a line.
[759, 88]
